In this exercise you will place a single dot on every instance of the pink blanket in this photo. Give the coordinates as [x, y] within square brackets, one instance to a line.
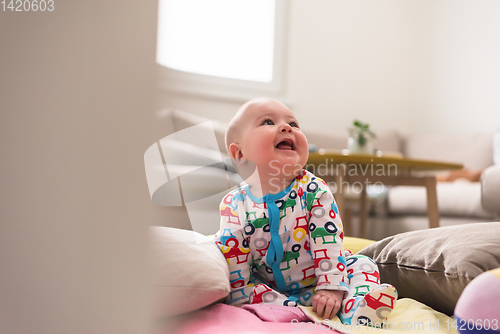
[259, 318]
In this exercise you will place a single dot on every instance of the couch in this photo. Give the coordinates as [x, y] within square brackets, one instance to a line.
[193, 152]
[464, 200]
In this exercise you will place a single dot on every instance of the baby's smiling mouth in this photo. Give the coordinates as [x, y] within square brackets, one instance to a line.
[286, 144]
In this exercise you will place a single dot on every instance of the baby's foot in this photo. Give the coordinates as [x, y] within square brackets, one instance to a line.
[375, 306]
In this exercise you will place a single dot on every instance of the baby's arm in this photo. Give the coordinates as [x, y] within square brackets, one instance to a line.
[326, 233]
[234, 247]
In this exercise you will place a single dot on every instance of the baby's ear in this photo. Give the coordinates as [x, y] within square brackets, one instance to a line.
[245, 168]
[235, 153]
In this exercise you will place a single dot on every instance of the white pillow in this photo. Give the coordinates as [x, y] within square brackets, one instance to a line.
[183, 120]
[189, 271]
[455, 199]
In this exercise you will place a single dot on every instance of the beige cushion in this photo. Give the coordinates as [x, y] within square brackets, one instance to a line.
[459, 198]
[475, 151]
[188, 271]
[183, 120]
[433, 266]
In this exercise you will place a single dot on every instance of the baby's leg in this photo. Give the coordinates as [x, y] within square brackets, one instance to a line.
[368, 301]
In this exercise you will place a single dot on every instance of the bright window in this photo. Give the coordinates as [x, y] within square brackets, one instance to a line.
[238, 40]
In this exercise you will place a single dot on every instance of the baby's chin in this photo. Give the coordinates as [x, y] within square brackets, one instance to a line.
[287, 165]
[284, 170]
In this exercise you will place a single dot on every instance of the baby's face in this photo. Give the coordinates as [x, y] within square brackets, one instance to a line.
[272, 139]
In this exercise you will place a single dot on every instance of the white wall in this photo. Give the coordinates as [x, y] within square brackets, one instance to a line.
[458, 91]
[76, 115]
[418, 66]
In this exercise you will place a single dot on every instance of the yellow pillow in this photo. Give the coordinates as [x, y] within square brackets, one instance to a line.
[356, 244]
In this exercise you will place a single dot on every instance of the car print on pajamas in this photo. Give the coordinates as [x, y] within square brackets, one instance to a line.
[262, 223]
[238, 197]
[264, 294]
[240, 254]
[383, 306]
[327, 233]
[229, 239]
[231, 247]
[383, 301]
[238, 281]
[289, 203]
[322, 260]
[230, 214]
[289, 256]
[312, 195]
[232, 199]
[261, 246]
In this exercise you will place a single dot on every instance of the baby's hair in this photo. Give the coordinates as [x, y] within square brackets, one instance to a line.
[232, 129]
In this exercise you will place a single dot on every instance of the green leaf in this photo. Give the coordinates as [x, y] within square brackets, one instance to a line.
[361, 140]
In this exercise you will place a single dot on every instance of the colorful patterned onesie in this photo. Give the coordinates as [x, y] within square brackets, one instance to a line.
[292, 242]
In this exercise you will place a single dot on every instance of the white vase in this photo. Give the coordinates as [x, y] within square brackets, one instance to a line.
[354, 147]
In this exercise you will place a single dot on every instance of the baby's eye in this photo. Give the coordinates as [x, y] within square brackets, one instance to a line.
[294, 125]
[268, 122]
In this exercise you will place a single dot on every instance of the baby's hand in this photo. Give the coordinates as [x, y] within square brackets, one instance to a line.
[327, 301]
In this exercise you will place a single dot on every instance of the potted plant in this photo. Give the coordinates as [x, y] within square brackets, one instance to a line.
[360, 138]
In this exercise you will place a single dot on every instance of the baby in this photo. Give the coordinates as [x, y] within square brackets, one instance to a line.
[282, 234]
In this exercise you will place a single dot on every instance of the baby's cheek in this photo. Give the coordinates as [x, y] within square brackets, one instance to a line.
[303, 150]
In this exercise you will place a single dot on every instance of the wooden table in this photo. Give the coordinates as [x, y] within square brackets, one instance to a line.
[343, 168]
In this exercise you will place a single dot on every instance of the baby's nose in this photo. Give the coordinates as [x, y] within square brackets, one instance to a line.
[286, 128]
